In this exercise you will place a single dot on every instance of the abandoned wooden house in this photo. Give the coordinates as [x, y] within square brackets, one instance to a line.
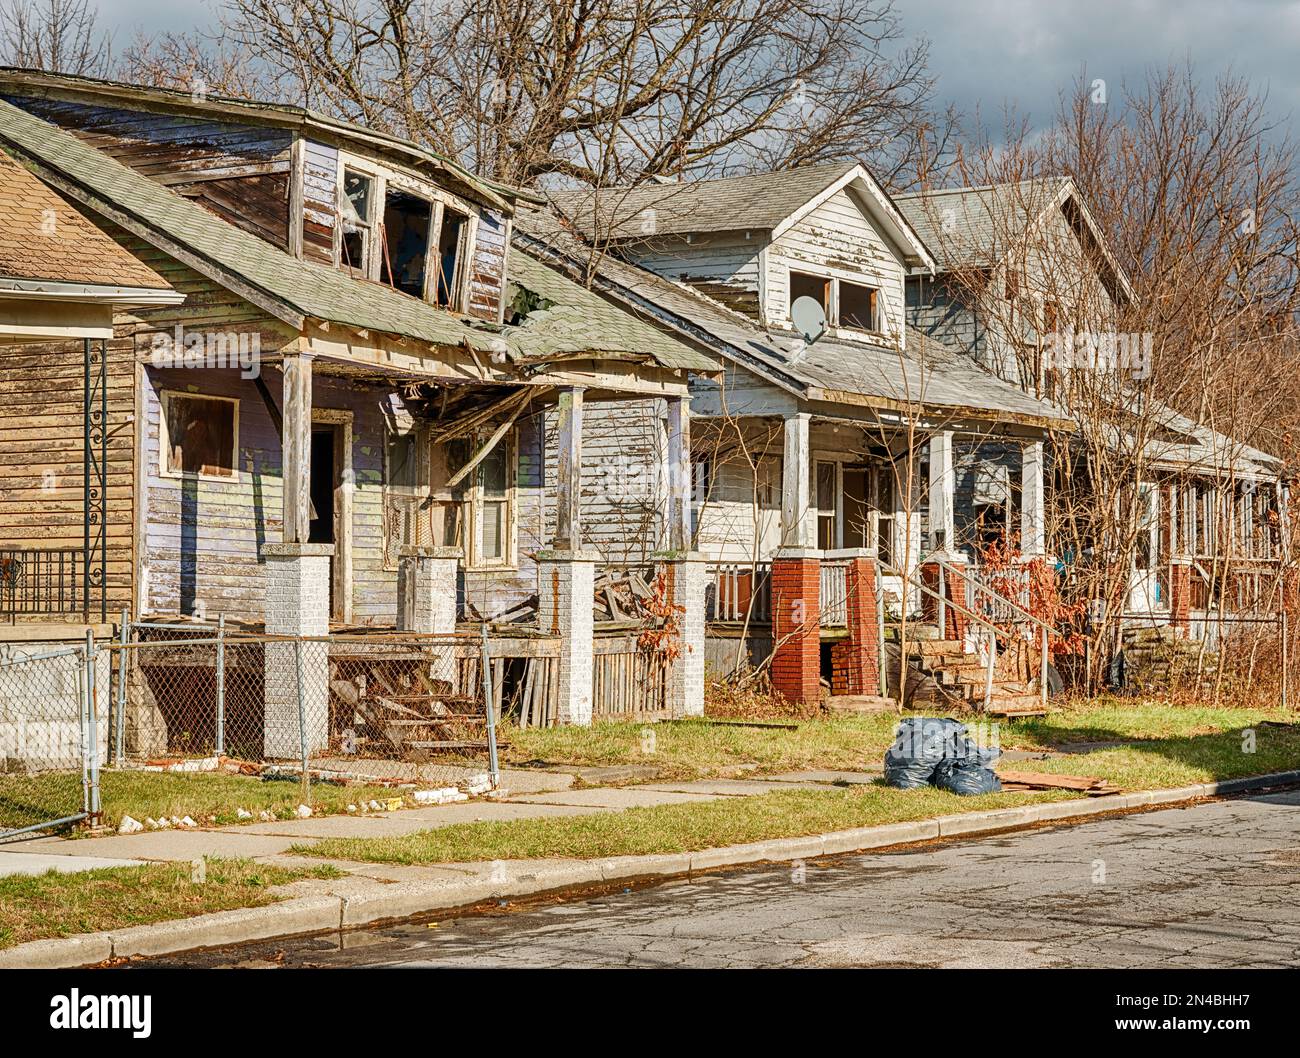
[1025, 285]
[366, 413]
[813, 458]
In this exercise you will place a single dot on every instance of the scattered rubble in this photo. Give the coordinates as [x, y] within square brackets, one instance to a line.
[129, 826]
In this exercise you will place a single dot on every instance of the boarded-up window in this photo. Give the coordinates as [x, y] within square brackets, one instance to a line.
[200, 435]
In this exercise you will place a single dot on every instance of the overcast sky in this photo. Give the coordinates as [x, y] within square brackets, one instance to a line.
[988, 52]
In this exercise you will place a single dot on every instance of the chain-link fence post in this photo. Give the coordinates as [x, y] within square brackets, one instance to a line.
[302, 721]
[92, 805]
[221, 686]
[491, 721]
[119, 732]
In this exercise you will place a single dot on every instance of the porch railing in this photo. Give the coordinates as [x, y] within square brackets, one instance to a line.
[43, 581]
[740, 591]
[834, 593]
[1002, 596]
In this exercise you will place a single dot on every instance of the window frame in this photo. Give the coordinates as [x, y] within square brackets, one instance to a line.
[165, 398]
[473, 503]
[419, 492]
[369, 266]
[834, 325]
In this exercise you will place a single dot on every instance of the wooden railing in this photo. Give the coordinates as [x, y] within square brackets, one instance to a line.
[41, 581]
[1000, 596]
[740, 591]
[834, 593]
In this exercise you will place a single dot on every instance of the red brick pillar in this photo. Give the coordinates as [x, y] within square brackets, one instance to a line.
[954, 591]
[1180, 595]
[855, 661]
[796, 630]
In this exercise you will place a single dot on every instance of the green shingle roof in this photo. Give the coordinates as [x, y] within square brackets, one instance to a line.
[580, 321]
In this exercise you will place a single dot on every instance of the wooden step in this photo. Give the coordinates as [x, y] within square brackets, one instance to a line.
[936, 648]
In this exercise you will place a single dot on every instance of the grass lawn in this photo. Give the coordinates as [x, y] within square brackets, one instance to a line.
[38, 907]
[667, 828]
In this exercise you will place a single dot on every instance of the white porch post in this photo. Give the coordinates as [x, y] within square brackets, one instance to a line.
[798, 518]
[296, 448]
[679, 534]
[1033, 529]
[943, 484]
[566, 575]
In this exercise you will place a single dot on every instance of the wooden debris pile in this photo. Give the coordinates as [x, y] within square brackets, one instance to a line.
[624, 595]
[1038, 780]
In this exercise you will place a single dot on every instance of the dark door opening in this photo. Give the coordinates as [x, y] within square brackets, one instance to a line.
[406, 242]
[325, 485]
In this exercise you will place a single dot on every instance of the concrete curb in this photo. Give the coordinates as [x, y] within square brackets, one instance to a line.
[319, 914]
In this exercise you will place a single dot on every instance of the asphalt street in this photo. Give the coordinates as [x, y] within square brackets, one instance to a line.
[1214, 885]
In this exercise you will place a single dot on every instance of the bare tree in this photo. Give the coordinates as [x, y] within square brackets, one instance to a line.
[61, 36]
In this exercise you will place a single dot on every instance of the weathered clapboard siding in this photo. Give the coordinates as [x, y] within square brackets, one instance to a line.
[488, 274]
[838, 239]
[41, 476]
[938, 311]
[725, 266]
[319, 188]
[258, 204]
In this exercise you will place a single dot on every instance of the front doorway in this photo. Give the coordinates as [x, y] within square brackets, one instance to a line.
[330, 516]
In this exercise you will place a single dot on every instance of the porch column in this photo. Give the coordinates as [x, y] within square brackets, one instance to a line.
[855, 661]
[1033, 528]
[687, 576]
[798, 518]
[568, 484]
[297, 585]
[678, 475]
[296, 448]
[566, 590]
[426, 589]
[943, 483]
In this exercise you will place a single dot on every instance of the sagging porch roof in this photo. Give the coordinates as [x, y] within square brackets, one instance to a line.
[296, 291]
[928, 374]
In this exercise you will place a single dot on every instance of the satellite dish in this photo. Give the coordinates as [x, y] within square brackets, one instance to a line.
[809, 317]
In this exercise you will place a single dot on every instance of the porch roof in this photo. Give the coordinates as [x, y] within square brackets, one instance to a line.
[1189, 446]
[295, 291]
[928, 374]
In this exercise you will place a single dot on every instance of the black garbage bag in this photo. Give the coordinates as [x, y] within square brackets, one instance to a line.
[941, 752]
[921, 744]
[966, 779]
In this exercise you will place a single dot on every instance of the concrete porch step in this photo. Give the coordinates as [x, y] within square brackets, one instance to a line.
[935, 648]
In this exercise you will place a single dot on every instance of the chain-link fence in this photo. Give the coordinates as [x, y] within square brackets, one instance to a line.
[51, 742]
[399, 713]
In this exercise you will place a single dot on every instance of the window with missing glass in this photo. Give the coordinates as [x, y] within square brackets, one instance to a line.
[199, 436]
[356, 210]
[479, 516]
[404, 495]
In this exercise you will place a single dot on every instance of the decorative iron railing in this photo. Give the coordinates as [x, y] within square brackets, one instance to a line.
[39, 582]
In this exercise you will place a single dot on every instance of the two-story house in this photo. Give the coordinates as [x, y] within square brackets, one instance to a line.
[811, 450]
[1026, 286]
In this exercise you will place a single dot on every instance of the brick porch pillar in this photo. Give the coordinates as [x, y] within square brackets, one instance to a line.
[1180, 595]
[688, 577]
[855, 662]
[566, 590]
[954, 591]
[297, 604]
[796, 629]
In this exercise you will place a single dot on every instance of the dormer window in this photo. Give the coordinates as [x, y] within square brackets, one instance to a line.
[356, 207]
[849, 305]
[803, 285]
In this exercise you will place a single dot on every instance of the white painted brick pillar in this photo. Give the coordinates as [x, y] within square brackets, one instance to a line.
[297, 604]
[426, 589]
[566, 586]
[688, 576]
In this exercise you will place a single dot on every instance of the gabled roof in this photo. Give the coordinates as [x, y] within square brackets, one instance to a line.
[928, 374]
[295, 290]
[765, 202]
[43, 239]
[972, 227]
[19, 81]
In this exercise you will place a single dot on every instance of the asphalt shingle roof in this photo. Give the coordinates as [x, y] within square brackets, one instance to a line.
[320, 292]
[758, 202]
[44, 238]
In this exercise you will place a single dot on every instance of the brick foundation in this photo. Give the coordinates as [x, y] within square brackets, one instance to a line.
[855, 662]
[796, 631]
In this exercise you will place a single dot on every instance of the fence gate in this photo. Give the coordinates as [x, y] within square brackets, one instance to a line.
[48, 771]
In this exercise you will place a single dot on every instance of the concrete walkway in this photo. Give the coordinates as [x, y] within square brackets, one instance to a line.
[530, 795]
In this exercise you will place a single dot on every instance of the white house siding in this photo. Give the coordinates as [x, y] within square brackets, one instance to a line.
[725, 266]
[836, 239]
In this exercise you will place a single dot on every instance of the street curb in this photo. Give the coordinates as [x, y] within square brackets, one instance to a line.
[321, 914]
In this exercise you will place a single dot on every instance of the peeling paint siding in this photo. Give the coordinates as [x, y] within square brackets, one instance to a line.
[729, 526]
[837, 237]
[320, 183]
[488, 276]
[725, 266]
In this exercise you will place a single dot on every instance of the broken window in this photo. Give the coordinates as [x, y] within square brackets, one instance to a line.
[447, 283]
[403, 496]
[803, 285]
[858, 306]
[406, 241]
[199, 436]
[356, 208]
[479, 517]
